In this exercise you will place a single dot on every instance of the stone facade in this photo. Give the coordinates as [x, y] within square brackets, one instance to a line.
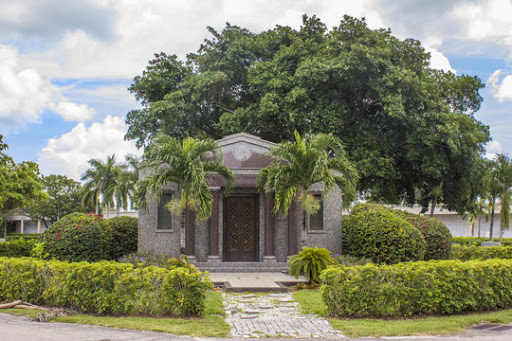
[249, 220]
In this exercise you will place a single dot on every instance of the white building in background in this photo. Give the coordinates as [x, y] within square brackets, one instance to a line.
[25, 224]
[460, 227]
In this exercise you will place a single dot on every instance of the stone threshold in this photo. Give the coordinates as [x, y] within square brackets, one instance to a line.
[242, 266]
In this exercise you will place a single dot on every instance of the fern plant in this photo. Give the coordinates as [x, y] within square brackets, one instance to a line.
[310, 262]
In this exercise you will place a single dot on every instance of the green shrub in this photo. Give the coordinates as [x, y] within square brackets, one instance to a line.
[76, 237]
[373, 231]
[121, 236]
[465, 252]
[479, 240]
[145, 259]
[17, 248]
[26, 236]
[418, 288]
[347, 260]
[104, 287]
[437, 236]
[310, 262]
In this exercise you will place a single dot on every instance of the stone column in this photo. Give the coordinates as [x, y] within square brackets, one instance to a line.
[190, 249]
[292, 229]
[21, 226]
[38, 225]
[213, 239]
[269, 255]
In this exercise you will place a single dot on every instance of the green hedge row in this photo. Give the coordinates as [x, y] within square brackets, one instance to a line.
[104, 287]
[17, 248]
[417, 288]
[26, 236]
[465, 252]
[479, 240]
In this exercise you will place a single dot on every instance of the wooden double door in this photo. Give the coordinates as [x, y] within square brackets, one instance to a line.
[241, 228]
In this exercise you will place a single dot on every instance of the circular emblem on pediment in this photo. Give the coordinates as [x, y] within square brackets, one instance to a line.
[242, 153]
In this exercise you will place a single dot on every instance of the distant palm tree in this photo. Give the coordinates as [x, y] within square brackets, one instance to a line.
[100, 180]
[499, 184]
[298, 165]
[186, 164]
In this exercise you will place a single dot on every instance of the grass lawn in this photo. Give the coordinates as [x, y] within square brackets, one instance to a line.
[311, 302]
[22, 312]
[211, 324]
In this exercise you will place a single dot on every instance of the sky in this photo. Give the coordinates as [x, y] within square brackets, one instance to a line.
[65, 66]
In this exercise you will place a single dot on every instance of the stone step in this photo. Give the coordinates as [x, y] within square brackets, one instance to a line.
[242, 267]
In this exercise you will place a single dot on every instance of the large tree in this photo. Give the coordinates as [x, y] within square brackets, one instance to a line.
[64, 196]
[20, 183]
[409, 128]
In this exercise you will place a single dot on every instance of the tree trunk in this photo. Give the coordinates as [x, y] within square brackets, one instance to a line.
[501, 233]
[97, 206]
[304, 226]
[107, 208]
[479, 220]
[472, 230]
[118, 208]
[491, 226]
[433, 206]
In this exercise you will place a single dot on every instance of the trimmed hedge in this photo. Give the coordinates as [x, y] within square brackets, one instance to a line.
[479, 240]
[373, 231]
[418, 288]
[26, 236]
[121, 236]
[76, 237]
[17, 248]
[465, 252]
[437, 236]
[104, 287]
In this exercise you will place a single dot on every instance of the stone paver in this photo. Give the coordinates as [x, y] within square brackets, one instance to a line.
[266, 315]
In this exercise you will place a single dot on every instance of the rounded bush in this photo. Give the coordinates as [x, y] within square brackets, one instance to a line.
[437, 236]
[76, 237]
[121, 235]
[372, 231]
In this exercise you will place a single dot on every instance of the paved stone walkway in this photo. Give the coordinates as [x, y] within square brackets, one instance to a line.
[267, 315]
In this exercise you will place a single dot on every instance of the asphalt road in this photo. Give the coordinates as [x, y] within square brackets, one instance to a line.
[17, 328]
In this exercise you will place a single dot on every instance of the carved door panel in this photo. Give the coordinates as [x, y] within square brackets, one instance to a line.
[241, 229]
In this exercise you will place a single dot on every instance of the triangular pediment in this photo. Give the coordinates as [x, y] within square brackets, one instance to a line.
[244, 150]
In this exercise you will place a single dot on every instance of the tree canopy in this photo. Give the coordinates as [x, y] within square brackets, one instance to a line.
[19, 182]
[64, 196]
[409, 128]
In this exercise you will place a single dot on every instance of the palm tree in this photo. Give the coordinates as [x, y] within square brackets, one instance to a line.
[499, 184]
[100, 180]
[186, 164]
[298, 165]
[505, 173]
[122, 190]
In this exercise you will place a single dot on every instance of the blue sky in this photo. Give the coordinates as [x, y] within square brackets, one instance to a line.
[65, 65]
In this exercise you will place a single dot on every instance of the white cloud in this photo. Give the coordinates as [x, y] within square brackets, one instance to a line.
[438, 60]
[143, 28]
[69, 153]
[494, 147]
[489, 21]
[25, 94]
[50, 19]
[501, 85]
